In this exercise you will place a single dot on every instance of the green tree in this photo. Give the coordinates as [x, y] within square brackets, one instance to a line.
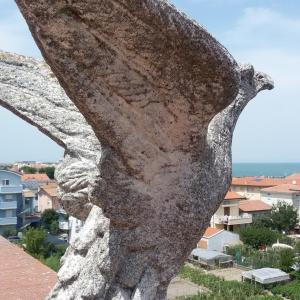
[263, 221]
[258, 236]
[284, 217]
[49, 171]
[54, 227]
[297, 248]
[286, 259]
[48, 217]
[29, 170]
[34, 239]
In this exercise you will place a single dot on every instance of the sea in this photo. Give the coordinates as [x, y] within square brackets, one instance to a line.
[265, 169]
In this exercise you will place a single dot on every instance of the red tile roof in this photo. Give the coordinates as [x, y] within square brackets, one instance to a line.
[295, 176]
[210, 231]
[233, 196]
[23, 277]
[36, 177]
[50, 189]
[259, 181]
[283, 189]
[254, 205]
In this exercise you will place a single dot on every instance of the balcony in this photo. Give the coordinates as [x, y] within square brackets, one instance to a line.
[10, 189]
[234, 220]
[8, 221]
[8, 205]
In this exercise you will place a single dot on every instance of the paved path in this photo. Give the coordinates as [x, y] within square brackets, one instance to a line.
[228, 273]
[180, 287]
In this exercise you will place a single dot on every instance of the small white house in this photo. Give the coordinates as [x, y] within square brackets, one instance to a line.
[217, 239]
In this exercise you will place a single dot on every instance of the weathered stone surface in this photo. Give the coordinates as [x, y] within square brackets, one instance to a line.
[163, 98]
[30, 90]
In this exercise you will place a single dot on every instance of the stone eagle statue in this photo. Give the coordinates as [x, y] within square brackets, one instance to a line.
[144, 101]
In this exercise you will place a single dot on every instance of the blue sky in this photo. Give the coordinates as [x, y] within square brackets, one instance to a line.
[262, 32]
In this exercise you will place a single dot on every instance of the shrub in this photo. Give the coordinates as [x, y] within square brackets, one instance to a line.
[35, 241]
[297, 247]
[49, 171]
[290, 290]
[61, 249]
[29, 170]
[53, 262]
[286, 259]
[9, 232]
[54, 227]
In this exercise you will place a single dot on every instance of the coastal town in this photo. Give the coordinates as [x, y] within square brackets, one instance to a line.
[30, 211]
[148, 150]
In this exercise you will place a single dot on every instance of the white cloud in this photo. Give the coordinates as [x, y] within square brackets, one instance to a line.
[264, 26]
[268, 39]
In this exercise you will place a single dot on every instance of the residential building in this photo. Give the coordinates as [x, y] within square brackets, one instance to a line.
[11, 200]
[228, 215]
[256, 208]
[29, 214]
[29, 201]
[288, 193]
[215, 239]
[48, 197]
[33, 182]
[250, 187]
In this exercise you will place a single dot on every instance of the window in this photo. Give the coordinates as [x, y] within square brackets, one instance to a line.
[5, 182]
[8, 197]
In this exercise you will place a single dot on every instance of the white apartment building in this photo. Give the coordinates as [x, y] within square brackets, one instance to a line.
[288, 193]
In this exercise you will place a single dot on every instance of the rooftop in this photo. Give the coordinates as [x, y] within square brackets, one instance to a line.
[295, 176]
[36, 177]
[283, 189]
[233, 196]
[210, 231]
[259, 181]
[266, 275]
[22, 276]
[50, 189]
[254, 205]
[204, 254]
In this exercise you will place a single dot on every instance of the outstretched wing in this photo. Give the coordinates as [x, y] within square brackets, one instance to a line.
[145, 77]
[29, 89]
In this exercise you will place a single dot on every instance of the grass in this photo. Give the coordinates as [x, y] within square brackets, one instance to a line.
[53, 262]
[290, 290]
[223, 290]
